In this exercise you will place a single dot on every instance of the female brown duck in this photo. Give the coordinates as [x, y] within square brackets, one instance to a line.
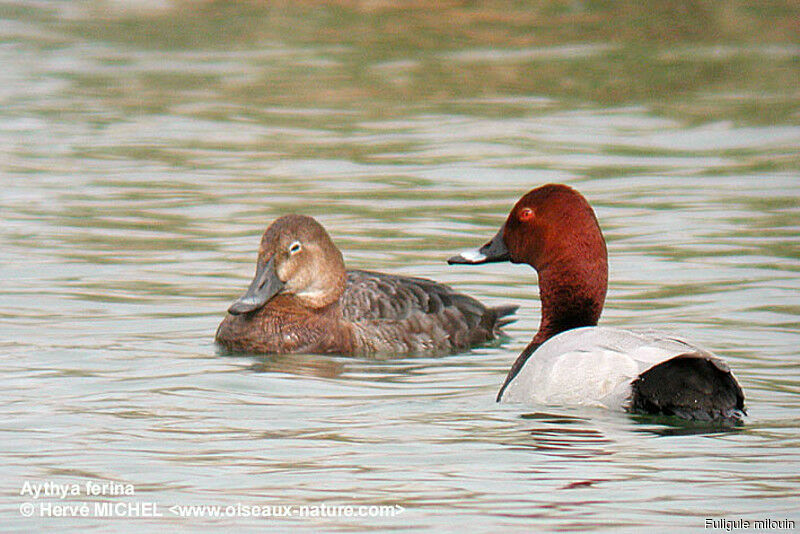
[303, 300]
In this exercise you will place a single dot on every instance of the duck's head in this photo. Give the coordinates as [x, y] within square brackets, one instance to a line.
[550, 225]
[296, 257]
[553, 229]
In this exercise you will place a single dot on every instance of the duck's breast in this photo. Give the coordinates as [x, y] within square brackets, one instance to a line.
[592, 366]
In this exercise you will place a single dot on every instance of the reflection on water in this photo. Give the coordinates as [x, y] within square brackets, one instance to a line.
[565, 436]
[145, 145]
[298, 364]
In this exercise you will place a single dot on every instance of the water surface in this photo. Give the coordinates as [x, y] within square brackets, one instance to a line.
[144, 147]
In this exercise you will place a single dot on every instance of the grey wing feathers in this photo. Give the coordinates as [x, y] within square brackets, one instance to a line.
[377, 296]
[416, 308]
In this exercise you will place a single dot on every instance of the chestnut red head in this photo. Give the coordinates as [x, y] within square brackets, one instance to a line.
[553, 229]
[550, 224]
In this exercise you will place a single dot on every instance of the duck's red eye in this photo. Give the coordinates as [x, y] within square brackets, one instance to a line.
[525, 214]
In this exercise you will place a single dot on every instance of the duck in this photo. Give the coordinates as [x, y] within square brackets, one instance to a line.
[571, 361]
[303, 300]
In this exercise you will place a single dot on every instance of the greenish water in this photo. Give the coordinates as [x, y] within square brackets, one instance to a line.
[144, 147]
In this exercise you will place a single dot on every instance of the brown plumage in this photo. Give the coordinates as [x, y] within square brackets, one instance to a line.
[303, 300]
[554, 229]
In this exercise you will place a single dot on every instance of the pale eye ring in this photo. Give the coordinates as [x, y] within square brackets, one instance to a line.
[295, 247]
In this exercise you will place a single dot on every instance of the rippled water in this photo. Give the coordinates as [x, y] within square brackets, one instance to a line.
[144, 147]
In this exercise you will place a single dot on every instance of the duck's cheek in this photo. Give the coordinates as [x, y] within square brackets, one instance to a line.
[285, 270]
[524, 249]
[297, 281]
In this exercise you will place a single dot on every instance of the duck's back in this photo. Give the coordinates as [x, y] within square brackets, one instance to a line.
[621, 369]
[393, 314]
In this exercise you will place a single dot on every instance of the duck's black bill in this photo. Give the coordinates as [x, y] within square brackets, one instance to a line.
[493, 251]
[264, 286]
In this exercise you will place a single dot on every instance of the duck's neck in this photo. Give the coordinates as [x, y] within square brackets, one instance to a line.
[572, 296]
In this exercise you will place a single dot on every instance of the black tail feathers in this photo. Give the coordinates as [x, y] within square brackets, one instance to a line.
[692, 386]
